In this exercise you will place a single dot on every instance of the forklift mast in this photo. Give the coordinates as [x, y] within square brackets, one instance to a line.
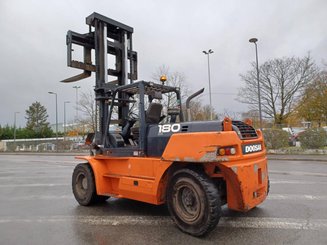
[108, 38]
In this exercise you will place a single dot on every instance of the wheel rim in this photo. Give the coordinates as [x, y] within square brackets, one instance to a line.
[187, 202]
[81, 185]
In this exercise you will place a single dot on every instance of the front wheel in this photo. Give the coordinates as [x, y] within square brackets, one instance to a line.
[193, 202]
[83, 186]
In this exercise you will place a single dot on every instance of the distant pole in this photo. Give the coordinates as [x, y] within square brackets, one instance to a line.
[208, 53]
[65, 102]
[56, 119]
[16, 112]
[254, 40]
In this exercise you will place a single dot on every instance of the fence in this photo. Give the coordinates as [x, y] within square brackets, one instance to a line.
[43, 144]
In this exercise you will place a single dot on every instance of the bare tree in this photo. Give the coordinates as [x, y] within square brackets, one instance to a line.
[86, 105]
[231, 114]
[175, 79]
[282, 82]
[254, 116]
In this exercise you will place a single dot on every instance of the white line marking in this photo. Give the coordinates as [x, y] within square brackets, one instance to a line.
[68, 177]
[296, 197]
[298, 182]
[271, 197]
[39, 197]
[28, 167]
[2, 179]
[32, 185]
[299, 173]
[233, 222]
[275, 223]
[56, 161]
[14, 177]
[37, 171]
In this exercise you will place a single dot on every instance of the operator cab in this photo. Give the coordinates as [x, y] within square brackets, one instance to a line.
[146, 106]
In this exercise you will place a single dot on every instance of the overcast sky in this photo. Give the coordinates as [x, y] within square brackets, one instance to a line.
[170, 33]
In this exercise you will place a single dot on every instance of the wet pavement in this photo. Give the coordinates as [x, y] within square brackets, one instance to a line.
[37, 207]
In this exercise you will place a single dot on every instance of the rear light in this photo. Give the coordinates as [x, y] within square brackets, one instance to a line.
[226, 151]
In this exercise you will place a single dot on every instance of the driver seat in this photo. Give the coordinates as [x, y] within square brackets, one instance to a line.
[153, 113]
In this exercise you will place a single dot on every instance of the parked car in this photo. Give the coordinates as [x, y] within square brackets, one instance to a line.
[294, 135]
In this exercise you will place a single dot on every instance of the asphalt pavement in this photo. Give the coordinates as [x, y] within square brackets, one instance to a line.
[37, 207]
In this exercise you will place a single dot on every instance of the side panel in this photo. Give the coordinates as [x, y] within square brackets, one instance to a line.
[159, 135]
[134, 178]
[199, 147]
[156, 143]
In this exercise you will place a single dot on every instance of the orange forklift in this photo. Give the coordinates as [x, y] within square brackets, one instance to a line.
[139, 153]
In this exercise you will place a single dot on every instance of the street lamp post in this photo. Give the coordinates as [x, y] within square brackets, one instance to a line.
[65, 102]
[76, 117]
[208, 53]
[254, 40]
[16, 112]
[76, 87]
[56, 118]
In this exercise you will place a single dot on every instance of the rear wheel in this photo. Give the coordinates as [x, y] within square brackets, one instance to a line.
[193, 202]
[83, 186]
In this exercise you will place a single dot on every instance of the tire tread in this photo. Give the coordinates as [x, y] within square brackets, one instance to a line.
[95, 198]
[213, 199]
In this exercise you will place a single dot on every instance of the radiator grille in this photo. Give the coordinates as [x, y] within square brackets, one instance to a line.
[246, 131]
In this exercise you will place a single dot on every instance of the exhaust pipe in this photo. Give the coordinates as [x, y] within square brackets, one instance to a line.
[192, 96]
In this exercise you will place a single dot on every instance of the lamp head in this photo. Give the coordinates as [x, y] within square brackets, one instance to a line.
[253, 40]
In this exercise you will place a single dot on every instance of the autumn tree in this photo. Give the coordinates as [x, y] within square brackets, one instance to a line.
[313, 104]
[37, 116]
[281, 82]
[201, 112]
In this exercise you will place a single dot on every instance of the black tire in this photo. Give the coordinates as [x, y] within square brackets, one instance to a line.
[83, 186]
[193, 201]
